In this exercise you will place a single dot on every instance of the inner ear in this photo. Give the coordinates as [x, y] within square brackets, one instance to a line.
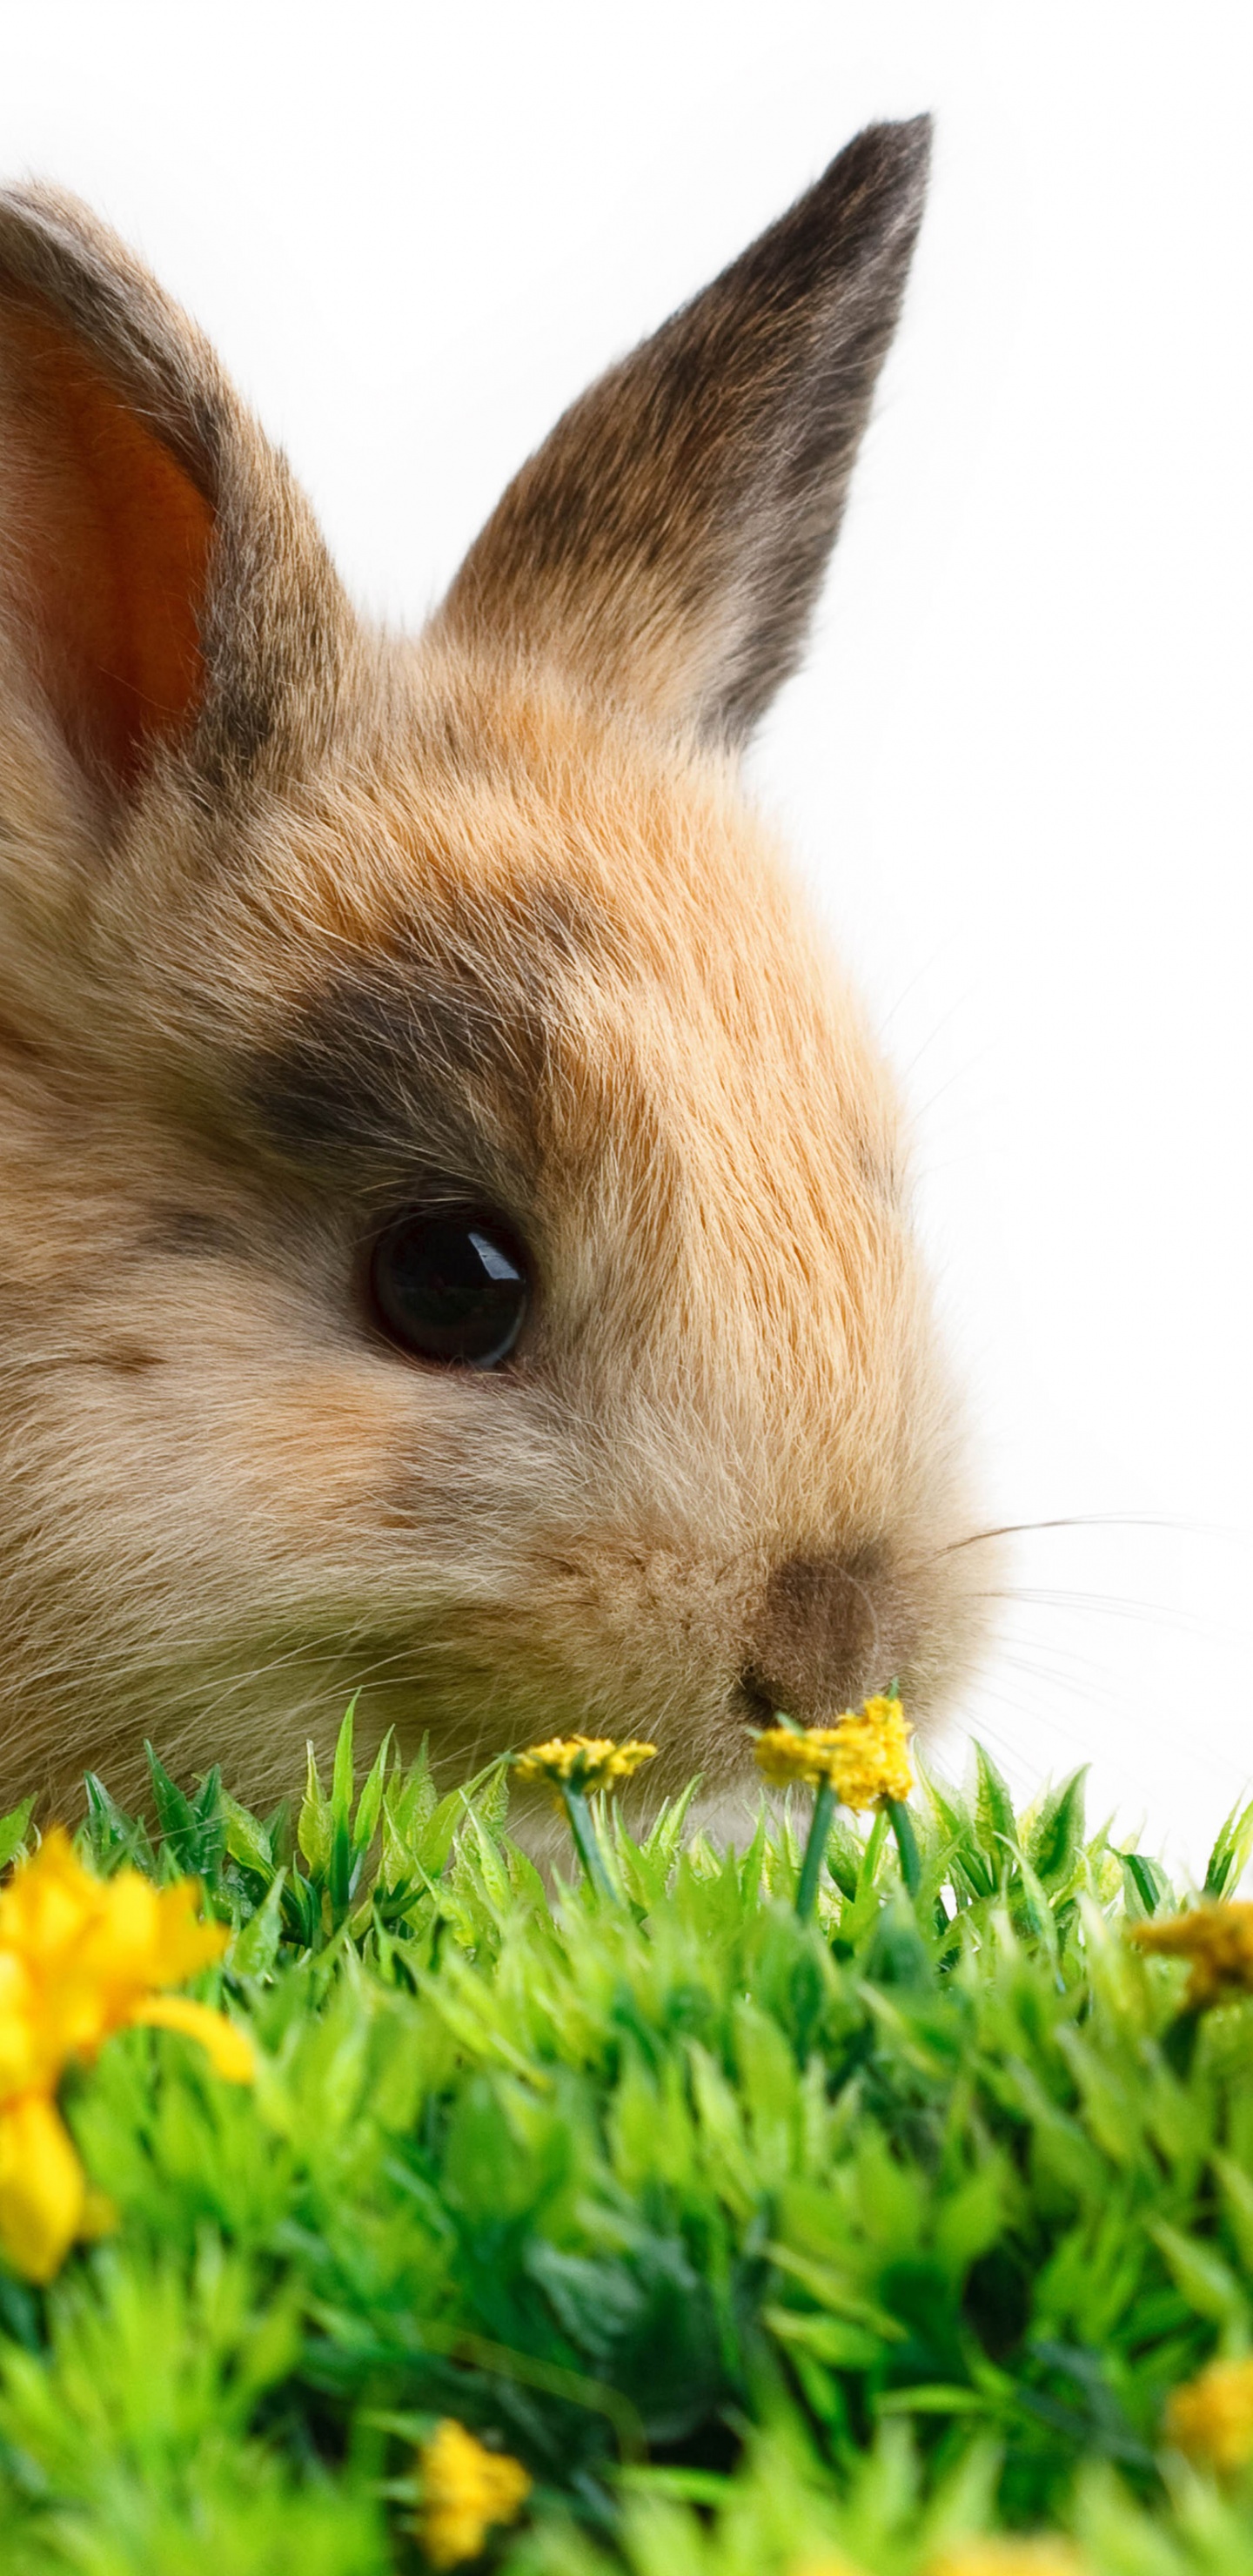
[105, 541]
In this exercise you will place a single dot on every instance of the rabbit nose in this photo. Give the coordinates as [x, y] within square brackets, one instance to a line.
[830, 1630]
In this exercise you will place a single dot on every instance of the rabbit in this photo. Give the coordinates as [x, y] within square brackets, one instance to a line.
[455, 1242]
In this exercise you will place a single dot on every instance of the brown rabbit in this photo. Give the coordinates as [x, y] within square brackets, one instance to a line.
[452, 1234]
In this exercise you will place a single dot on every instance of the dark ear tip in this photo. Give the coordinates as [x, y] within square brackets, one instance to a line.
[916, 140]
[902, 147]
[887, 166]
[915, 133]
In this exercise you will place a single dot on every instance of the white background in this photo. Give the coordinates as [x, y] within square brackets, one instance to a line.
[1016, 768]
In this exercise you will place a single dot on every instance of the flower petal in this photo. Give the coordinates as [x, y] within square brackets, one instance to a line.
[467, 2490]
[184, 1942]
[42, 2187]
[20, 2055]
[230, 2049]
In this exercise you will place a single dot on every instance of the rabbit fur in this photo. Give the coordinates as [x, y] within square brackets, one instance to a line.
[301, 922]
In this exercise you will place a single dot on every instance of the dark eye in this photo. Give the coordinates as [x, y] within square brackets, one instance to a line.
[450, 1285]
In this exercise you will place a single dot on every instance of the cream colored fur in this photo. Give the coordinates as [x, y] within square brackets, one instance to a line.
[263, 949]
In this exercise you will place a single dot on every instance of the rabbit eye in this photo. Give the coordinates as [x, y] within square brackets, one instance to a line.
[450, 1285]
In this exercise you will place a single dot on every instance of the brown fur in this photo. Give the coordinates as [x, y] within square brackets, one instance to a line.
[299, 923]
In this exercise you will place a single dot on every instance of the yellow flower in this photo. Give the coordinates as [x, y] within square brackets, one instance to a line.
[79, 1958]
[872, 1759]
[1040, 2555]
[1211, 2418]
[465, 2491]
[584, 1762]
[1218, 1939]
[789, 1759]
[864, 1757]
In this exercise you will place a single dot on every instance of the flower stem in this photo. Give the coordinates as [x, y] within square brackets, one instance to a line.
[586, 1839]
[906, 1843]
[815, 1851]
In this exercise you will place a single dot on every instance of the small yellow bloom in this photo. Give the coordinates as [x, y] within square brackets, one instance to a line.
[864, 1757]
[1211, 2417]
[80, 1957]
[1218, 1939]
[585, 1762]
[1040, 2555]
[872, 1760]
[466, 2490]
[789, 1759]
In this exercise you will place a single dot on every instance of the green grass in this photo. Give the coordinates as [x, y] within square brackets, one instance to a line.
[752, 2238]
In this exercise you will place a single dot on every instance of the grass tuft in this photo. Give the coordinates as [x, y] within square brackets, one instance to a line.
[771, 2242]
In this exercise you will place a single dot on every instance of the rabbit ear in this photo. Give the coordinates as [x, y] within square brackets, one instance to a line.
[161, 579]
[668, 541]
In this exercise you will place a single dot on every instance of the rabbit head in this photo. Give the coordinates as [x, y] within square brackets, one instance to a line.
[453, 1231]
